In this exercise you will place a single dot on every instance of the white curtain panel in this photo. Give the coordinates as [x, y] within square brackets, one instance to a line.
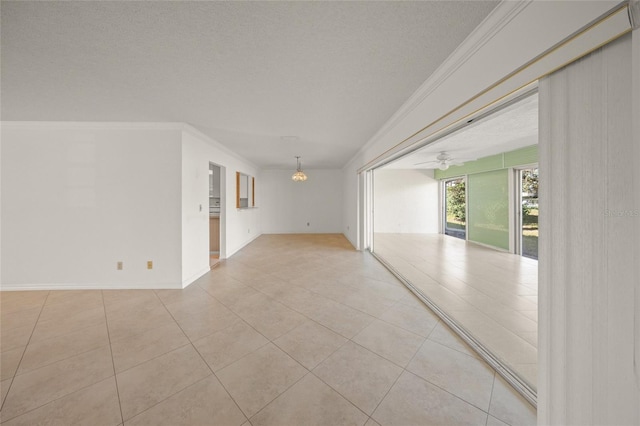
[588, 241]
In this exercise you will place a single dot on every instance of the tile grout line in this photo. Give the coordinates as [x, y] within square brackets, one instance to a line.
[154, 358]
[170, 396]
[277, 396]
[190, 343]
[54, 400]
[209, 334]
[334, 281]
[445, 390]
[493, 386]
[62, 396]
[229, 326]
[397, 378]
[268, 340]
[113, 363]
[249, 324]
[65, 358]
[15, 373]
[338, 392]
[309, 371]
[213, 373]
[328, 356]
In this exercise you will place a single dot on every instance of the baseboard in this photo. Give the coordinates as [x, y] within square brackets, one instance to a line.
[355, 246]
[89, 286]
[193, 278]
[246, 243]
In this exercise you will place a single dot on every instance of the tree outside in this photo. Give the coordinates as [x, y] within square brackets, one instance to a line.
[530, 213]
[456, 204]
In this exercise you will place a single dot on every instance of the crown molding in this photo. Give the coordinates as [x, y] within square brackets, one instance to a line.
[91, 125]
[188, 128]
[499, 17]
[124, 125]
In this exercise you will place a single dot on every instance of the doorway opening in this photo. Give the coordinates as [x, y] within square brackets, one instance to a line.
[455, 208]
[214, 214]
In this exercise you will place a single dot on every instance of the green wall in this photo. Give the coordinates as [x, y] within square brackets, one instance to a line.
[522, 156]
[488, 193]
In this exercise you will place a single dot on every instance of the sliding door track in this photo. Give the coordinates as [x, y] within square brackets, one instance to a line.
[506, 372]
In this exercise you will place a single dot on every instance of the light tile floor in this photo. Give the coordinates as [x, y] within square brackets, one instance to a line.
[292, 330]
[493, 295]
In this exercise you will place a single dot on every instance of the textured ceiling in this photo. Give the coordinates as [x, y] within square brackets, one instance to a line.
[510, 128]
[245, 73]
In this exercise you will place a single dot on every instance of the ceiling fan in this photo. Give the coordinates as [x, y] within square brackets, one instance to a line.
[442, 162]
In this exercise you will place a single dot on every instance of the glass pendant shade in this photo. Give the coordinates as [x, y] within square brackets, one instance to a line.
[299, 175]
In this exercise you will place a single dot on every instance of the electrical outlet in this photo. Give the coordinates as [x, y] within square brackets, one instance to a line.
[149, 264]
[307, 223]
[119, 266]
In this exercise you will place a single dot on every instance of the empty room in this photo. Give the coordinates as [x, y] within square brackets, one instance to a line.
[320, 213]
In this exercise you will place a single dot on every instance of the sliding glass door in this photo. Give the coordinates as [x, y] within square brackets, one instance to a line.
[455, 208]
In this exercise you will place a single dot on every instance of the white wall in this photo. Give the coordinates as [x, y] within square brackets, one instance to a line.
[79, 197]
[76, 199]
[287, 206]
[195, 209]
[405, 201]
[240, 226]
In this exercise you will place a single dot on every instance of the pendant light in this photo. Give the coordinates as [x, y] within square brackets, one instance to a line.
[299, 175]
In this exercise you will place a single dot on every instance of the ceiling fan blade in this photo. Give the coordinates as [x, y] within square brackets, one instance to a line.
[427, 162]
[455, 163]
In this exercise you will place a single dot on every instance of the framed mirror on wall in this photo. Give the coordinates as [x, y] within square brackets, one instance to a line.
[245, 191]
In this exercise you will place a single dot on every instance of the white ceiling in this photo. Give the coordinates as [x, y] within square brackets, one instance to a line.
[245, 73]
[510, 128]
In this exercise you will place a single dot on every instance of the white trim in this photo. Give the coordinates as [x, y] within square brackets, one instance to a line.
[243, 245]
[120, 125]
[488, 28]
[188, 281]
[607, 21]
[350, 242]
[197, 133]
[89, 286]
[369, 202]
[125, 125]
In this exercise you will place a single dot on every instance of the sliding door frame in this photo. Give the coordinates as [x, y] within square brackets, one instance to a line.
[516, 192]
